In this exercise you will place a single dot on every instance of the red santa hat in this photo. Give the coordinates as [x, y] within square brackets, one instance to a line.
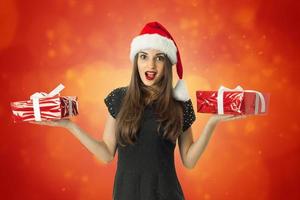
[155, 36]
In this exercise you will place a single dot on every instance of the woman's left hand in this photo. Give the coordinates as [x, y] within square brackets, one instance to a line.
[218, 118]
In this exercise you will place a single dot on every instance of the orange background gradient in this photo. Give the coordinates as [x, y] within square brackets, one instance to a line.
[85, 45]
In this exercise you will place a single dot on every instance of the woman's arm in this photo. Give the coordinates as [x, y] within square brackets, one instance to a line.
[104, 150]
[191, 151]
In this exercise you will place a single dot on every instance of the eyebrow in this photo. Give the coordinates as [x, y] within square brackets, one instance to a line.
[155, 54]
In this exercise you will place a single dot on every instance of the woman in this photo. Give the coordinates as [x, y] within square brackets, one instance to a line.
[145, 121]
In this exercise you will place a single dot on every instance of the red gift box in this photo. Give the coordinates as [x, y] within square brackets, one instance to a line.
[44, 106]
[236, 101]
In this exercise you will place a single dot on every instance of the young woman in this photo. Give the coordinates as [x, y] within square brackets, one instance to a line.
[145, 121]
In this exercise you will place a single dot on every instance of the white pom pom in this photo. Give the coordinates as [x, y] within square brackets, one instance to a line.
[180, 92]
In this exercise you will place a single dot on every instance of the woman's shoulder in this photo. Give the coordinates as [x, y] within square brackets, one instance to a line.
[114, 99]
[117, 93]
[120, 91]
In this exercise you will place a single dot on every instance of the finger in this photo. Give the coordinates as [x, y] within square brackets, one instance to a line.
[241, 117]
[226, 117]
[236, 117]
[48, 123]
[35, 122]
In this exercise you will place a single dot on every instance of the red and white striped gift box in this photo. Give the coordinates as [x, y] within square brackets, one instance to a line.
[50, 108]
[42, 106]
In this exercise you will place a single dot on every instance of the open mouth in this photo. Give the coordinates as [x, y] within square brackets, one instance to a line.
[150, 75]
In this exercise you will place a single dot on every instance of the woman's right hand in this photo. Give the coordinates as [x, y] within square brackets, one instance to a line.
[65, 123]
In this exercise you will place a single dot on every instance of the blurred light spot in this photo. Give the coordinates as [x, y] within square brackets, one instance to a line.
[207, 196]
[72, 3]
[78, 40]
[188, 24]
[84, 178]
[50, 35]
[247, 46]
[281, 84]
[194, 32]
[64, 30]
[51, 53]
[259, 152]
[70, 74]
[245, 17]
[81, 83]
[68, 174]
[194, 3]
[65, 49]
[249, 127]
[267, 72]
[88, 9]
[216, 17]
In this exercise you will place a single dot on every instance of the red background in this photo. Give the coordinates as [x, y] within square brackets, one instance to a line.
[85, 45]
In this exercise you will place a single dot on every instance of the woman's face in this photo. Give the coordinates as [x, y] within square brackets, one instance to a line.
[150, 65]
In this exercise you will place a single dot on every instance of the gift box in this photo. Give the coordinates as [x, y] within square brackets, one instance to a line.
[43, 106]
[232, 101]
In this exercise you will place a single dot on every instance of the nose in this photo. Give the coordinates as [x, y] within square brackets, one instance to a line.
[151, 63]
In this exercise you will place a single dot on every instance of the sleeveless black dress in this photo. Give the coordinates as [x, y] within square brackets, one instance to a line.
[145, 170]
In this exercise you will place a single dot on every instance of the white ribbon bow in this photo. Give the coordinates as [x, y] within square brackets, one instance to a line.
[258, 97]
[38, 95]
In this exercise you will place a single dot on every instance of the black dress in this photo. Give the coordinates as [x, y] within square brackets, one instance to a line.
[145, 170]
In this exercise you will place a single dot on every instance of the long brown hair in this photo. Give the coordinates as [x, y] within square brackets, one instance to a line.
[138, 96]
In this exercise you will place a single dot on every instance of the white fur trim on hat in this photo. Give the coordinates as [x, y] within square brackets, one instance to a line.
[180, 92]
[154, 41]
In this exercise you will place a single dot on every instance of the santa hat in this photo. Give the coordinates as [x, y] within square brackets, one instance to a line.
[155, 36]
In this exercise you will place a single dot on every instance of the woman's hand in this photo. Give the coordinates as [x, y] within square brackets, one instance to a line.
[217, 118]
[65, 123]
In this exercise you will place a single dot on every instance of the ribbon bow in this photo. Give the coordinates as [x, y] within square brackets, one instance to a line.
[259, 97]
[38, 95]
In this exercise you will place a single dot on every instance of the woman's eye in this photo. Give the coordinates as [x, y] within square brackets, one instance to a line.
[142, 56]
[160, 58]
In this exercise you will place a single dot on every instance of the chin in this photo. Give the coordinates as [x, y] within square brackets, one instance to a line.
[146, 83]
